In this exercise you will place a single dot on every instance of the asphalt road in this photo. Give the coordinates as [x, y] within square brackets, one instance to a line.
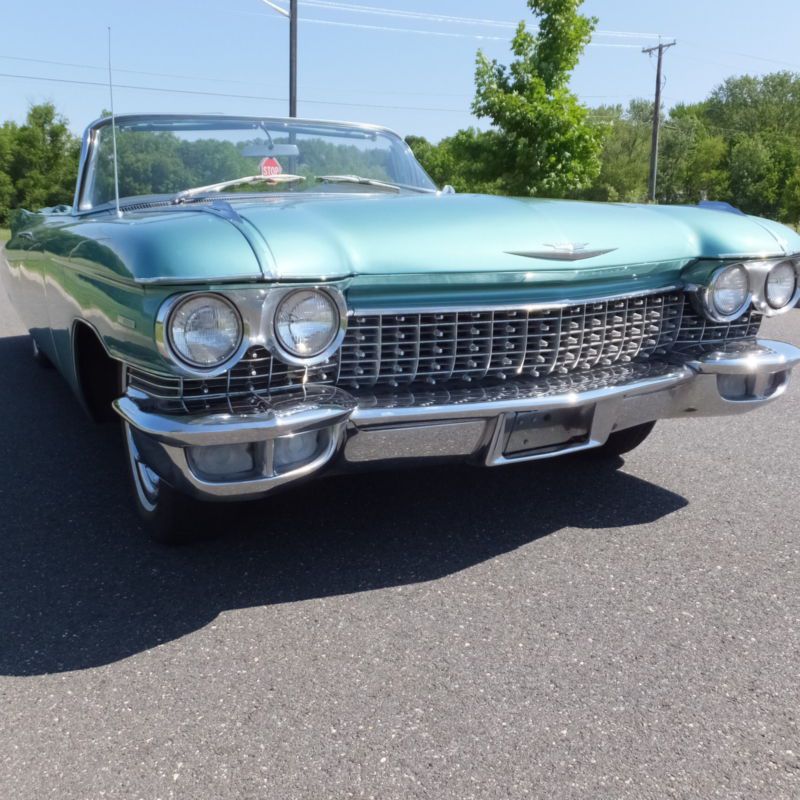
[563, 630]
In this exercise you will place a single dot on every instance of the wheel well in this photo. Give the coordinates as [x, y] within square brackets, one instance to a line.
[98, 374]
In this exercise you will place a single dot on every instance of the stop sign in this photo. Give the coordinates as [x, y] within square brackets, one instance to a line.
[271, 166]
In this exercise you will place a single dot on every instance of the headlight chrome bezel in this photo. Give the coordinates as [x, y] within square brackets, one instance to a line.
[256, 308]
[167, 348]
[280, 349]
[761, 299]
[706, 294]
[758, 271]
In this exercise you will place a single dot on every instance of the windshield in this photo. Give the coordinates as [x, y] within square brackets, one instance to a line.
[193, 157]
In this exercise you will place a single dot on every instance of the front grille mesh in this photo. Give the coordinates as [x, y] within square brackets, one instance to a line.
[469, 346]
[462, 348]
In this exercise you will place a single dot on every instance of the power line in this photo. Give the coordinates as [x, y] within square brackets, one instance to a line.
[119, 69]
[167, 90]
[441, 34]
[746, 55]
[447, 18]
[209, 79]
[260, 97]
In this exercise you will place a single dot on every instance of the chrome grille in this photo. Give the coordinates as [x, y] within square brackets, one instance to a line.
[698, 331]
[462, 348]
[396, 349]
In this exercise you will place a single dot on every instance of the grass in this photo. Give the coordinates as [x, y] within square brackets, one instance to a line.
[5, 234]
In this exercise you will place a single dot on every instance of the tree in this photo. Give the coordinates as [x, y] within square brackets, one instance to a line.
[754, 176]
[7, 139]
[44, 160]
[549, 146]
[624, 159]
[470, 161]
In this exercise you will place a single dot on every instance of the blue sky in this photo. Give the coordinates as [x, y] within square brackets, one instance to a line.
[415, 80]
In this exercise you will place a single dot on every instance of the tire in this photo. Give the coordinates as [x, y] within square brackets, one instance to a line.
[624, 441]
[39, 357]
[170, 517]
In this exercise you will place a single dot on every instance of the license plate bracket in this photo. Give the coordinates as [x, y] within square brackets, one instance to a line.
[548, 429]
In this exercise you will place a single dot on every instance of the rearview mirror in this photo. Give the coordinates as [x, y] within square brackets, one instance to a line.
[264, 150]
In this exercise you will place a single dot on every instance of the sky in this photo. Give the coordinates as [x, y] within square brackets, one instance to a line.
[406, 64]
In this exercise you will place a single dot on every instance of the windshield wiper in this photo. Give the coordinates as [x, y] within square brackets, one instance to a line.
[217, 187]
[392, 187]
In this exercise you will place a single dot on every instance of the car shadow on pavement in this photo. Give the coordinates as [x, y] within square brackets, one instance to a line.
[81, 585]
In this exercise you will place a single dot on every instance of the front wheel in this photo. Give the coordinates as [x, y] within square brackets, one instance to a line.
[170, 516]
[624, 441]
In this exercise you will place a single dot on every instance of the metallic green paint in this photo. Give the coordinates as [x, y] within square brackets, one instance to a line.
[382, 250]
[319, 236]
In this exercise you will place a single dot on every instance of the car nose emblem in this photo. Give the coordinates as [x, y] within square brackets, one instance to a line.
[562, 251]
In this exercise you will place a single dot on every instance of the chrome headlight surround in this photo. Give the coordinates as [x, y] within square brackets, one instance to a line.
[762, 271]
[167, 348]
[278, 297]
[706, 294]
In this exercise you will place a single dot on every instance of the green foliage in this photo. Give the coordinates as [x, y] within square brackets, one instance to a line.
[160, 163]
[469, 161]
[542, 141]
[624, 159]
[38, 161]
[546, 141]
[163, 163]
[754, 174]
[741, 145]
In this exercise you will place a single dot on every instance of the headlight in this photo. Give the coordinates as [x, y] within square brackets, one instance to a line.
[307, 323]
[204, 330]
[728, 293]
[781, 284]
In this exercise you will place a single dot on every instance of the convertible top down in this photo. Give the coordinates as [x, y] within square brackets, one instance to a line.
[263, 300]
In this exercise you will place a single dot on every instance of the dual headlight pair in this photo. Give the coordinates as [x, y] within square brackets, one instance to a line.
[205, 331]
[770, 286]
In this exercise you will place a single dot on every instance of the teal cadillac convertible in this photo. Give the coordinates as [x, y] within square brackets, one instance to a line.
[261, 301]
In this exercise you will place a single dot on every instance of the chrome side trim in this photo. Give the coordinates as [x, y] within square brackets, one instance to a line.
[199, 279]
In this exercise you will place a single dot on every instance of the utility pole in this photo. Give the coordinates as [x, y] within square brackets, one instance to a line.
[293, 58]
[656, 117]
[292, 15]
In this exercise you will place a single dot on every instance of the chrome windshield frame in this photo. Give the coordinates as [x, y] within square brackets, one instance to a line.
[93, 130]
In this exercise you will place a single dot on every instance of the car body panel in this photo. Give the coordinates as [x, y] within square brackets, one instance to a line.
[383, 249]
[420, 235]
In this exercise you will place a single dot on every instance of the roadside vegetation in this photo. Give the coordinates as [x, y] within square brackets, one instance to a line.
[740, 145]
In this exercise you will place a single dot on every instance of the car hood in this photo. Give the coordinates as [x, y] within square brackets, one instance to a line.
[335, 236]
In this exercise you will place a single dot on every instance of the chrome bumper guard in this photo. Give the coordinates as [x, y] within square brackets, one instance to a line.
[512, 422]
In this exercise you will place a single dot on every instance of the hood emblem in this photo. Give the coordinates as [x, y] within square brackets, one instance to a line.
[562, 251]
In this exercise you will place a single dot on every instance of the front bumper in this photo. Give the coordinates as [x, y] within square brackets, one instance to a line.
[507, 423]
